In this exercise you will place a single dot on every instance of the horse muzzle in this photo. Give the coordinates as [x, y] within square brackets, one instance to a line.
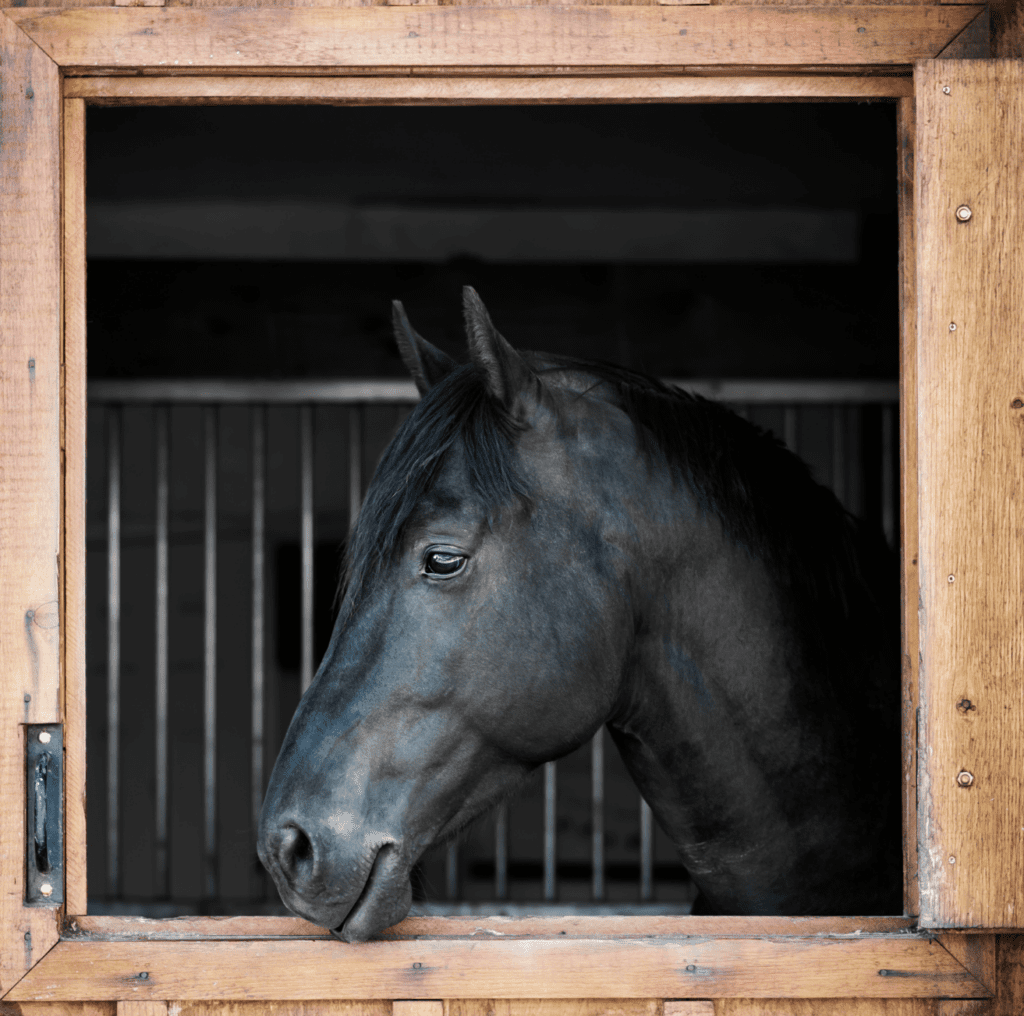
[354, 894]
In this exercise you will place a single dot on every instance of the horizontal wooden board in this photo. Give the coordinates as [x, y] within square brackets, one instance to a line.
[685, 967]
[418, 36]
[970, 268]
[185, 928]
[150, 90]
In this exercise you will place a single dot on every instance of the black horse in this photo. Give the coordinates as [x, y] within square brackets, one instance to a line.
[549, 545]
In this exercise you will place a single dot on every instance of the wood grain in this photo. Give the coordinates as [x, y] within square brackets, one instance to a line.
[152, 90]
[905, 131]
[970, 151]
[825, 1007]
[418, 1007]
[321, 1007]
[73, 456]
[477, 928]
[675, 1007]
[63, 1009]
[141, 1009]
[963, 1007]
[976, 953]
[907, 966]
[30, 477]
[451, 3]
[567, 37]
[556, 1007]
[1009, 999]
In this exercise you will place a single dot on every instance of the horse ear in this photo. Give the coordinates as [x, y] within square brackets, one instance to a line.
[425, 362]
[503, 368]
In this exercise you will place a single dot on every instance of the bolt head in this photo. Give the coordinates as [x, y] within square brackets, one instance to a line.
[945, 89]
[963, 213]
[964, 778]
[46, 889]
[44, 737]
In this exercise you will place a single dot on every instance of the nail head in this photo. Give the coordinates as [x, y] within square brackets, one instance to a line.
[952, 326]
[945, 91]
[963, 213]
[951, 578]
[44, 737]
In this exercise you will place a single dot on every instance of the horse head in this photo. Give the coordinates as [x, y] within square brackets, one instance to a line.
[483, 630]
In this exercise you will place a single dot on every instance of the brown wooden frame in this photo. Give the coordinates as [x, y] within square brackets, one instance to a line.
[53, 61]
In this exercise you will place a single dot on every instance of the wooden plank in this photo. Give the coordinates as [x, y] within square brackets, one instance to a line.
[826, 1007]
[196, 89]
[30, 479]
[905, 130]
[677, 1007]
[476, 3]
[1009, 999]
[418, 1007]
[321, 1007]
[557, 1007]
[906, 966]
[141, 1009]
[1008, 29]
[73, 558]
[175, 38]
[963, 1007]
[970, 154]
[474, 928]
[61, 1009]
[976, 953]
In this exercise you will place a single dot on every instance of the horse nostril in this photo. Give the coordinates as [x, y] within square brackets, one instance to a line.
[295, 852]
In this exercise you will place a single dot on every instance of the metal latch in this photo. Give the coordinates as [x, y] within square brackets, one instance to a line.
[44, 815]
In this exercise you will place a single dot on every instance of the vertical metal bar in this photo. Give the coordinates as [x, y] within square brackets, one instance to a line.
[306, 458]
[646, 852]
[501, 852]
[597, 812]
[839, 453]
[888, 471]
[355, 464]
[789, 427]
[259, 475]
[451, 871]
[162, 873]
[550, 818]
[210, 651]
[113, 650]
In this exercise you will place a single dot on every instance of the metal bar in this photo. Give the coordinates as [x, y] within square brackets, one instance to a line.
[597, 812]
[550, 839]
[259, 476]
[839, 453]
[306, 497]
[161, 804]
[355, 465]
[646, 852]
[113, 650]
[348, 392]
[210, 652]
[451, 871]
[789, 427]
[501, 852]
[888, 469]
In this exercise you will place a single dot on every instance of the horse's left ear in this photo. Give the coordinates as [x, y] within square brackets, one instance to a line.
[505, 371]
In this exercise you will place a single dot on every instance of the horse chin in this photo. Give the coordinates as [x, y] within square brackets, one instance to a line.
[384, 901]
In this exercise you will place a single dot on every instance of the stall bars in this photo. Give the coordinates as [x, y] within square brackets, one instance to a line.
[744, 396]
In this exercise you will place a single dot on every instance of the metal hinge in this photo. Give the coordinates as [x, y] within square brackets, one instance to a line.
[44, 815]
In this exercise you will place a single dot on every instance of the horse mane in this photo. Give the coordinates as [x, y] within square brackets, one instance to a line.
[837, 575]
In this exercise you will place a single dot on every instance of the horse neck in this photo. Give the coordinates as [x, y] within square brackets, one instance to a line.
[718, 728]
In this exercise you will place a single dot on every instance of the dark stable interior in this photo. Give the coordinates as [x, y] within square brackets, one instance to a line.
[687, 241]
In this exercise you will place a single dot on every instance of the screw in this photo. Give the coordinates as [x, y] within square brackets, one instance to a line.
[46, 889]
[952, 859]
[952, 326]
[964, 778]
[963, 213]
[44, 737]
[945, 91]
[951, 578]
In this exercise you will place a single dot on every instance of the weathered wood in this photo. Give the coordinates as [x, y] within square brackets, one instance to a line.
[689, 1008]
[826, 1007]
[970, 154]
[1008, 29]
[905, 130]
[567, 37]
[557, 1007]
[30, 477]
[152, 90]
[418, 1007]
[481, 928]
[446, 3]
[73, 558]
[1009, 999]
[976, 953]
[905, 966]
[321, 1007]
[963, 1007]
[60, 1009]
[141, 1009]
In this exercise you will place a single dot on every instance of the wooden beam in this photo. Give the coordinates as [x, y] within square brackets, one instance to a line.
[181, 39]
[970, 412]
[405, 90]
[859, 966]
[30, 473]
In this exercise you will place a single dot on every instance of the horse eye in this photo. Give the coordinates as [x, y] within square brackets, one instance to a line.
[441, 563]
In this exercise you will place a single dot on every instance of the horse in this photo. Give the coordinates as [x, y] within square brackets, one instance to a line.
[550, 545]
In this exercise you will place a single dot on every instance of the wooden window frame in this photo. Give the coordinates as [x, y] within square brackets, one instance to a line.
[53, 63]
